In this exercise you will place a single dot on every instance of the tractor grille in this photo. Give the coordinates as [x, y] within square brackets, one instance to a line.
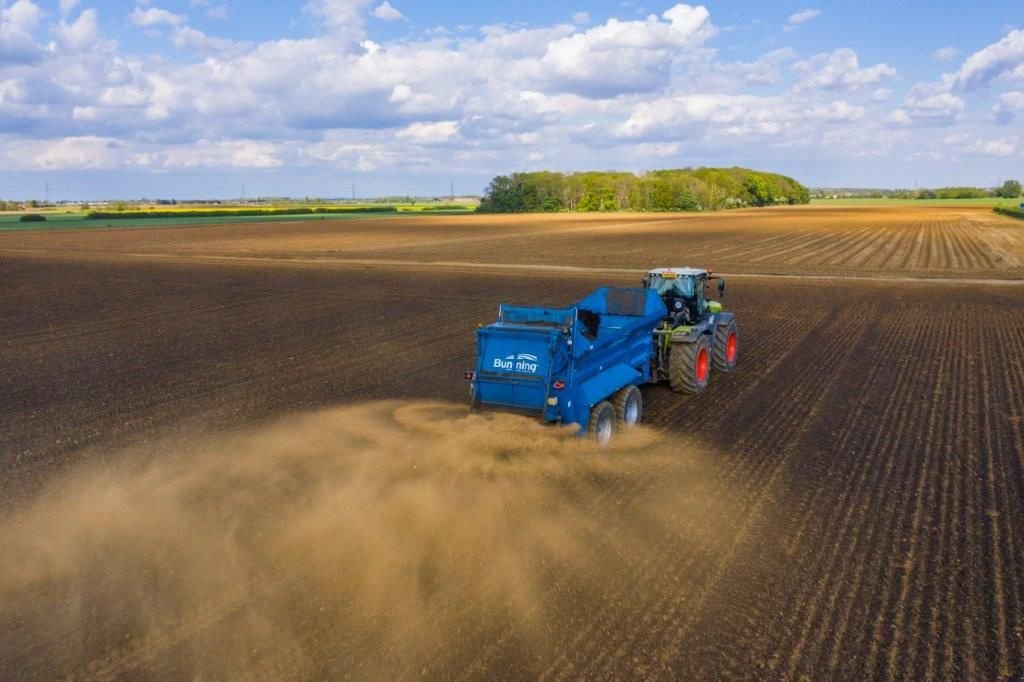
[627, 302]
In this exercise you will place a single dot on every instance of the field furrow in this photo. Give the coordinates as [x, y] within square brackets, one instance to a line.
[865, 465]
[845, 505]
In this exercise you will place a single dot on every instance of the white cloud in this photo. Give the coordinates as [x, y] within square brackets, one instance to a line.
[86, 151]
[471, 100]
[945, 54]
[801, 17]
[1009, 103]
[1003, 147]
[218, 154]
[67, 5]
[154, 16]
[429, 133]
[676, 117]
[188, 38]
[1004, 57]
[85, 114]
[839, 69]
[625, 56]
[22, 16]
[387, 12]
[764, 71]
[1012, 101]
[17, 23]
[928, 104]
[342, 18]
[82, 33]
[11, 90]
[581, 18]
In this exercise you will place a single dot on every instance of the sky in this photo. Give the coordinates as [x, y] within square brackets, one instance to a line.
[326, 98]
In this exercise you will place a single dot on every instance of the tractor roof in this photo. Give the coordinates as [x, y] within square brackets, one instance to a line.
[679, 272]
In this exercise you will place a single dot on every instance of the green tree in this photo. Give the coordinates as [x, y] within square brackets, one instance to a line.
[1010, 189]
[680, 189]
[758, 190]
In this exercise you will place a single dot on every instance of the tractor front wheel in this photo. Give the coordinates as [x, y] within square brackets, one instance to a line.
[690, 366]
[629, 406]
[727, 346]
[602, 422]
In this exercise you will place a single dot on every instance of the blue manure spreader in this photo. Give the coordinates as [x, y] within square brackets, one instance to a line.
[582, 364]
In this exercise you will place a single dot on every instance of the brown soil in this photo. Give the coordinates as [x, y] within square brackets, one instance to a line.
[955, 242]
[193, 483]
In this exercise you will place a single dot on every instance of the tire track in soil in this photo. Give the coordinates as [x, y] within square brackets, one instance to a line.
[770, 438]
[885, 649]
[812, 251]
[883, 260]
[918, 254]
[1013, 337]
[1002, 427]
[866, 247]
[981, 258]
[867, 482]
[836, 255]
[493, 650]
[815, 256]
[762, 348]
[677, 574]
[796, 243]
[901, 576]
[965, 247]
[955, 497]
[900, 257]
[820, 497]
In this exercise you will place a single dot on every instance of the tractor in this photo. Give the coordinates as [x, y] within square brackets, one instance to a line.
[695, 334]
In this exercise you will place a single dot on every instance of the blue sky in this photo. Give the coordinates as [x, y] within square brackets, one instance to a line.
[198, 98]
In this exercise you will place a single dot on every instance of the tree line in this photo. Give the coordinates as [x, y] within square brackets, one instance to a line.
[684, 189]
[1011, 189]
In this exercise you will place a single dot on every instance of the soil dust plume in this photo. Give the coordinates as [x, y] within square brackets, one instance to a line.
[378, 540]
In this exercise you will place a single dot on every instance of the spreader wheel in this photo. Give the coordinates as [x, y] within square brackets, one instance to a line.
[629, 406]
[602, 422]
[690, 366]
[727, 346]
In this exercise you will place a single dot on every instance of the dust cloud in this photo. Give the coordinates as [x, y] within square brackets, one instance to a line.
[378, 540]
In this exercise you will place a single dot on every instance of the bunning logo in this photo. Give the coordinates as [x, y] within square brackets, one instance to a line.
[523, 362]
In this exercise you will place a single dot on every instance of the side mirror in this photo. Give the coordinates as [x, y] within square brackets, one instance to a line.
[645, 282]
[721, 288]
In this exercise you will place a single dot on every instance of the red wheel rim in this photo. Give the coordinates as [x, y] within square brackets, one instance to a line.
[702, 366]
[730, 348]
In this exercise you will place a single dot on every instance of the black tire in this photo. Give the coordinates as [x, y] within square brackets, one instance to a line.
[602, 422]
[725, 357]
[629, 406]
[690, 366]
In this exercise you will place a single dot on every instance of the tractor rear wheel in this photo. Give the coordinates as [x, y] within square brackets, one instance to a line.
[690, 366]
[602, 422]
[727, 346]
[629, 406]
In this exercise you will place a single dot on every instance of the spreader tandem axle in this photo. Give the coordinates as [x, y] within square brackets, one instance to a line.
[582, 364]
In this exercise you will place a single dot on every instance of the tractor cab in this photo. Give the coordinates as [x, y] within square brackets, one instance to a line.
[682, 290]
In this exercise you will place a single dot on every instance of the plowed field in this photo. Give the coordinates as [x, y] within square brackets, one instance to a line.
[197, 482]
[935, 242]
